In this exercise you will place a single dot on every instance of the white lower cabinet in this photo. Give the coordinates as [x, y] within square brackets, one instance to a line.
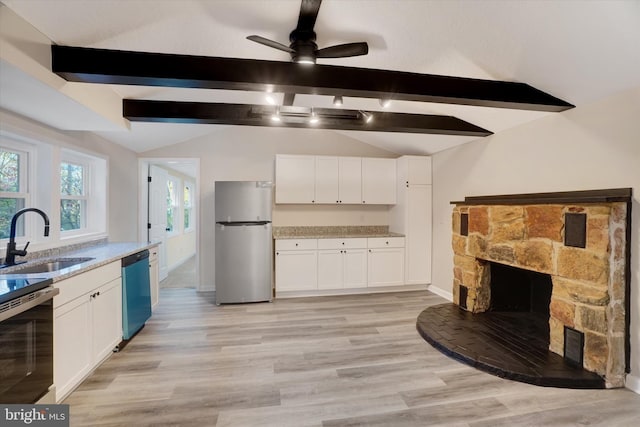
[385, 262]
[87, 324]
[154, 276]
[330, 264]
[296, 265]
[342, 263]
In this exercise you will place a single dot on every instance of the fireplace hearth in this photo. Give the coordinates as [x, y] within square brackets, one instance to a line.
[541, 281]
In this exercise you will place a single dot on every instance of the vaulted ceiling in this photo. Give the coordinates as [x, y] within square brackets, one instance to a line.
[575, 51]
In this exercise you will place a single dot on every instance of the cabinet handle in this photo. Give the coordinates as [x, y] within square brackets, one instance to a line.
[342, 243]
[364, 201]
[296, 244]
[313, 201]
[337, 201]
[369, 250]
[277, 253]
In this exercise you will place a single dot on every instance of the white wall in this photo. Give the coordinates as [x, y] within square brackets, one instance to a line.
[123, 168]
[595, 146]
[248, 153]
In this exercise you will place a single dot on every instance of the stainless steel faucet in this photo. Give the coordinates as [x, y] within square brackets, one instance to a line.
[12, 252]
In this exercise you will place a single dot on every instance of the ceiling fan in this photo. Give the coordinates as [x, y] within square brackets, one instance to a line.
[303, 48]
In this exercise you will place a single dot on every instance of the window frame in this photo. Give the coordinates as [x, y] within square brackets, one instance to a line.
[175, 207]
[191, 186]
[95, 189]
[26, 179]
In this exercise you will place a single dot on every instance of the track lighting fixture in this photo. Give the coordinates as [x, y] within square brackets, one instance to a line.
[337, 101]
[367, 117]
[275, 117]
[313, 119]
[384, 102]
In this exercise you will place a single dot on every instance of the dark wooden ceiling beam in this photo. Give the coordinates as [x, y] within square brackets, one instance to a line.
[294, 117]
[160, 69]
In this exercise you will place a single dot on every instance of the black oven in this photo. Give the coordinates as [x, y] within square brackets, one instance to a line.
[26, 346]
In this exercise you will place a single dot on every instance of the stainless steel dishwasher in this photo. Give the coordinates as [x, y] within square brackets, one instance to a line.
[136, 293]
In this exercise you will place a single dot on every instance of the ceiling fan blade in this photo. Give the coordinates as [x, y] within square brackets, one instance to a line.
[270, 43]
[308, 14]
[343, 50]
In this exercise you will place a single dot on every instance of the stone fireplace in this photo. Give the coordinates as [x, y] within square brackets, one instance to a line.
[562, 256]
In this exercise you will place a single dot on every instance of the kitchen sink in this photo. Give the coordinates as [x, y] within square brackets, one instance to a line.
[46, 266]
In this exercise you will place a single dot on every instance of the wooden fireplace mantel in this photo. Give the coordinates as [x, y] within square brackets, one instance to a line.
[563, 197]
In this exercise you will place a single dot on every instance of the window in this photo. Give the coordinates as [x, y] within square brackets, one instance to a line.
[13, 188]
[73, 196]
[83, 195]
[188, 206]
[173, 205]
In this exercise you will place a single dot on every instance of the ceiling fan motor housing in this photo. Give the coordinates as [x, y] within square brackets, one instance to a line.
[304, 46]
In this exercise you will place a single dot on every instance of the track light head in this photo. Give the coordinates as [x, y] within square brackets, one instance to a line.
[337, 101]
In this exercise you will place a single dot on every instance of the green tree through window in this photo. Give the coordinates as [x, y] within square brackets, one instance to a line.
[71, 196]
[11, 183]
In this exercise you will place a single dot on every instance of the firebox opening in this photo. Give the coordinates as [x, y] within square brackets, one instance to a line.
[519, 290]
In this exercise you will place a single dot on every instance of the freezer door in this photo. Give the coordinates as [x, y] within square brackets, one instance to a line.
[243, 263]
[238, 201]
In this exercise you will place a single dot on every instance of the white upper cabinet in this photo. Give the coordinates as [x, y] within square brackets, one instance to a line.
[350, 180]
[327, 180]
[295, 179]
[414, 170]
[378, 181]
[334, 180]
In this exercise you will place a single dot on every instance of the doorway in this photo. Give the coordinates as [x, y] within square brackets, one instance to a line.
[169, 200]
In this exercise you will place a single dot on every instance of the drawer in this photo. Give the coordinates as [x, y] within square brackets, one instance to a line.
[385, 242]
[296, 244]
[75, 286]
[351, 243]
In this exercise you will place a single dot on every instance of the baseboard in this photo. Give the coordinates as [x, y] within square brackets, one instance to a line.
[441, 292]
[349, 291]
[633, 383]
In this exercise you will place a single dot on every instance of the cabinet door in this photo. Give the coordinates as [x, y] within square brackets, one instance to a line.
[355, 268]
[419, 170]
[326, 180]
[106, 319]
[385, 267]
[378, 181]
[296, 270]
[71, 344]
[418, 239]
[350, 176]
[154, 281]
[295, 179]
[330, 270]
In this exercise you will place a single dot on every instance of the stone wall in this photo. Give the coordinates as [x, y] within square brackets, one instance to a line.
[588, 283]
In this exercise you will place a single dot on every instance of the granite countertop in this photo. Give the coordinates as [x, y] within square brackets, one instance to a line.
[333, 232]
[102, 254]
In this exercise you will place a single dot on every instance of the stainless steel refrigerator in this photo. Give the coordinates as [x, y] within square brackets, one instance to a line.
[243, 241]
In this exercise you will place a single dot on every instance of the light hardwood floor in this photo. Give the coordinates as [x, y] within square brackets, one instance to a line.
[326, 361]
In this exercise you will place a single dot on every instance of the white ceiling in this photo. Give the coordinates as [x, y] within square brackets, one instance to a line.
[578, 51]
